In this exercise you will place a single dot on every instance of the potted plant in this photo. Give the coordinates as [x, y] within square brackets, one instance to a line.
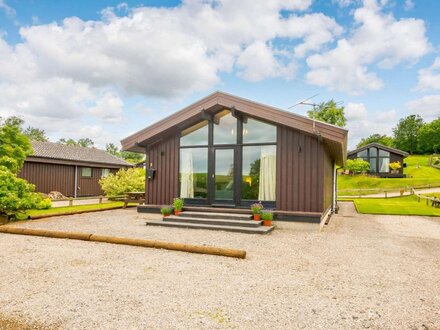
[166, 211]
[267, 217]
[178, 205]
[256, 210]
[395, 167]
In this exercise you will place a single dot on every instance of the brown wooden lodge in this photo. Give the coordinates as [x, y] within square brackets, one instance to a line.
[380, 156]
[71, 170]
[225, 152]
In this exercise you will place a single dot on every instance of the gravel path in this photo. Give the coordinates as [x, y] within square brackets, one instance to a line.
[360, 272]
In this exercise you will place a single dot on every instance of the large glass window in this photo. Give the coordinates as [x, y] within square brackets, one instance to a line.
[225, 128]
[255, 131]
[195, 135]
[379, 159]
[384, 164]
[193, 174]
[363, 153]
[259, 173]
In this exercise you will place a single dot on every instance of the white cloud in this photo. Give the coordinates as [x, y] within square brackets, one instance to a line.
[7, 9]
[379, 40]
[429, 78]
[61, 73]
[108, 107]
[427, 106]
[362, 123]
[408, 5]
[258, 62]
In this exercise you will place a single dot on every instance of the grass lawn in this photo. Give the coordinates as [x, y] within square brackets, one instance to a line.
[418, 172]
[71, 209]
[407, 205]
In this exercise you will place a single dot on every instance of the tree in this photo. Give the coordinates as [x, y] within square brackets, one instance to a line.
[35, 134]
[382, 139]
[14, 145]
[16, 194]
[329, 112]
[131, 157]
[85, 142]
[406, 133]
[125, 180]
[112, 149]
[429, 137]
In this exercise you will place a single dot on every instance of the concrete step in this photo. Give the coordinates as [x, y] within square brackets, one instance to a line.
[247, 230]
[183, 217]
[216, 215]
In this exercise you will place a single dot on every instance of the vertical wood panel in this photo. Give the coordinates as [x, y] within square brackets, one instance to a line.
[164, 157]
[300, 180]
[49, 177]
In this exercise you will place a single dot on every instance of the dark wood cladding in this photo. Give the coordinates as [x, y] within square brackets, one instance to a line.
[301, 163]
[164, 157]
[59, 177]
[50, 177]
[91, 186]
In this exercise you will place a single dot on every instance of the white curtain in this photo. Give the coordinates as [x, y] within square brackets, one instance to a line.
[384, 164]
[186, 174]
[267, 174]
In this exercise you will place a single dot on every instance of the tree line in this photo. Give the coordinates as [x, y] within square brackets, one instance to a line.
[411, 134]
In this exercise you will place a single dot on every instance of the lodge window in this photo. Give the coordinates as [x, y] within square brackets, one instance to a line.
[105, 172]
[254, 165]
[379, 159]
[86, 172]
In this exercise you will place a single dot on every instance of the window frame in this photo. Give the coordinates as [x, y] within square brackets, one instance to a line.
[86, 176]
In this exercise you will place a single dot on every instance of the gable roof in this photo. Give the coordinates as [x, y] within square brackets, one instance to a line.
[335, 137]
[379, 146]
[61, 152]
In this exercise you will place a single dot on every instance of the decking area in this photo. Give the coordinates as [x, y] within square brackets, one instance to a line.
[234, 222]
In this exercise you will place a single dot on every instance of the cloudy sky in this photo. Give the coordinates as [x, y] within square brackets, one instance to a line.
[105, 69]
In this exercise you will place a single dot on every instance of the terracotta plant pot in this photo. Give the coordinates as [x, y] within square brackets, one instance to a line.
[267, 223]
[257, 217]
[166, 215]
[177, 212]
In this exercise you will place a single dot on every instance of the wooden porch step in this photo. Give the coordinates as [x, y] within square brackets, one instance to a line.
[216, 215]
[246, 230]
[219, 221]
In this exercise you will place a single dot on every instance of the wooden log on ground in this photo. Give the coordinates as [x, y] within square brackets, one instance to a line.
[211, 250]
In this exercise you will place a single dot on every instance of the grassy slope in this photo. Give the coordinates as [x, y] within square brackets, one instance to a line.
[75, 208]
[407, 205]
[422, 175]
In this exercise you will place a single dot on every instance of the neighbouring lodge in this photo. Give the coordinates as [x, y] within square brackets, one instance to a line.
[71, 170]
[380, 156]
[228, 152]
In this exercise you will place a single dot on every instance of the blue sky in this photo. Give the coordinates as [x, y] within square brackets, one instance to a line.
[105, 69]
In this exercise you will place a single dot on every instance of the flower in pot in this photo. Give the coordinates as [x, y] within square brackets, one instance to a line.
[395, 167]
[256, 210]
[166, 210]
[267, 217]
[178, 205]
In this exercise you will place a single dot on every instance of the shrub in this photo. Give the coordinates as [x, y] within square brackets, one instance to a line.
[178, 204]
[357, 165]
[256, 208]
[17, 195]
[166, 210]
[132, 179]
[267, 215]
[395, 166]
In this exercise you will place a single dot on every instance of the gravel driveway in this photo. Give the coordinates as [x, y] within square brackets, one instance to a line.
[361, 272]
